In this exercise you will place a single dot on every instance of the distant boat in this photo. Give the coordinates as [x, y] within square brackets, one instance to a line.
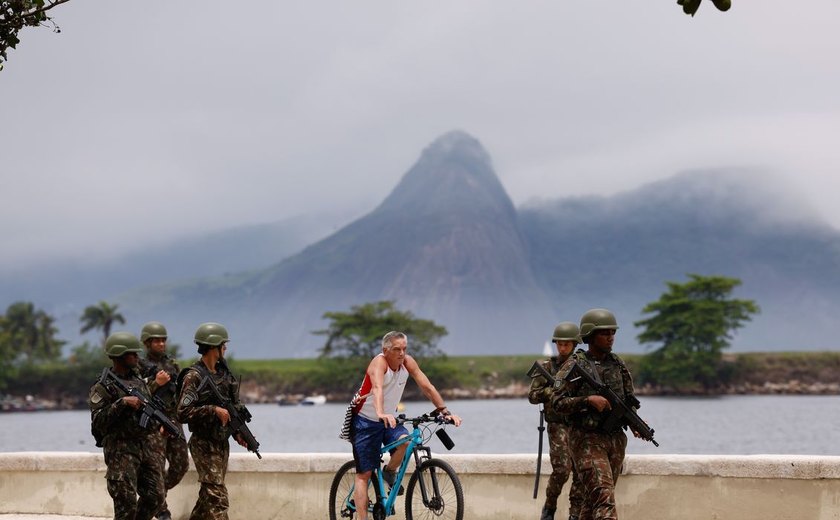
[313, 400]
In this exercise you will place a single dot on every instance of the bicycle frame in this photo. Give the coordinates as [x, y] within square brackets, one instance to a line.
[415, 448]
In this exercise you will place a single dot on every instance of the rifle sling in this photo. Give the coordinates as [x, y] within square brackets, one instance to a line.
[595, 375]
[202, 369]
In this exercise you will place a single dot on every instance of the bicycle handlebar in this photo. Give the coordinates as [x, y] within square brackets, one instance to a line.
[425, 418]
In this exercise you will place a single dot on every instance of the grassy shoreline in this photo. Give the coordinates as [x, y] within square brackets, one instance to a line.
[64, 386]
[505, 376]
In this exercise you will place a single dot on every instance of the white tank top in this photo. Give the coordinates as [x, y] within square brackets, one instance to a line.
[393, 385]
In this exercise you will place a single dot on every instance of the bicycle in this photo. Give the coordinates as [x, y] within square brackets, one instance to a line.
[434, 489]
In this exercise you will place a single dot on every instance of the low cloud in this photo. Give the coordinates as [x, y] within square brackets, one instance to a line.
[323, 106]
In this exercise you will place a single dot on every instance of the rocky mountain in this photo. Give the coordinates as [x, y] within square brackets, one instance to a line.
[448, 244]
[618, 251]
[444, 244]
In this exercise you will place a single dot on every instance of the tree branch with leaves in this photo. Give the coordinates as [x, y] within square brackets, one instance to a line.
[17, 14]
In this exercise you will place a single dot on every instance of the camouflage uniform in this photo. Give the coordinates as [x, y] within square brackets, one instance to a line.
[558, 441]
[598, 454]
[209, 443]
[134, 455]
[175, 448]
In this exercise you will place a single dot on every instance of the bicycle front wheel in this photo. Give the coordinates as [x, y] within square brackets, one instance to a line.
[342, 506]
[434, 491]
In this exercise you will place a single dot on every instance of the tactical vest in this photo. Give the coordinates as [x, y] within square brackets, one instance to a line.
[613, 372]
[552, 366]
[166, 393]
[229, 388]
[128, 431]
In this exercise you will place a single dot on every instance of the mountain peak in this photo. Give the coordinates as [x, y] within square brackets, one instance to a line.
[457, 143]
[454, 171]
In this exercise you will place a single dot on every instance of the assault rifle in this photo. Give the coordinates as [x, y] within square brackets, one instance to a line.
[151, 410]
[238, 419]
[622, 413]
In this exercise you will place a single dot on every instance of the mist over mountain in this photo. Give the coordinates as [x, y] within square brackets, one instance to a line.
[65, 286]
[444, 244]
[448, 244]
[619, 251]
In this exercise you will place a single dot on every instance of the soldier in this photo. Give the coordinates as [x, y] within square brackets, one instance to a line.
[161, 372]
[208, 423]
[134, 455]
[565, 338]
[597, 453]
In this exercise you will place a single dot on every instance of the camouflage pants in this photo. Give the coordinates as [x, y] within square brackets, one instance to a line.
[135, 471]
[211, 462]
[178, 459]
[598, 458]
[561, 468]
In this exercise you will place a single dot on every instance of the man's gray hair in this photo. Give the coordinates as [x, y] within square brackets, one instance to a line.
[388, 339]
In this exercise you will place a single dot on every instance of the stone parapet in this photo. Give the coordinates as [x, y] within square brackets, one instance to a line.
[296, 485]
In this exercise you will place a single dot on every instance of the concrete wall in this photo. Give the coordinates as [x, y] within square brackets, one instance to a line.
[283, 486]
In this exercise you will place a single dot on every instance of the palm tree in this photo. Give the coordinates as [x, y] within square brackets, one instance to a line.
[30, 332]
[101, 316]
[20, 328]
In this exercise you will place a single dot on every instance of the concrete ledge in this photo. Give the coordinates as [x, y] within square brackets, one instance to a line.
[294, 485]
[800, 467]
[805, 467]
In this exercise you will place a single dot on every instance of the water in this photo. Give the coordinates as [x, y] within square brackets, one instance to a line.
[730, 425]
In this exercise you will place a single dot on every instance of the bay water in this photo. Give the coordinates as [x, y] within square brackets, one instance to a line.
[727, 425]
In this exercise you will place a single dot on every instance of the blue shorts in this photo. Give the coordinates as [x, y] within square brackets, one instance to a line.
[368, 437]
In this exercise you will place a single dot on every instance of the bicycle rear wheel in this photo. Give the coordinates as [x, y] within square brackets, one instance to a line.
[434, 491]
[342, 506]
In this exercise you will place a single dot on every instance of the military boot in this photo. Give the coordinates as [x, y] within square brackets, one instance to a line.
[547, 513]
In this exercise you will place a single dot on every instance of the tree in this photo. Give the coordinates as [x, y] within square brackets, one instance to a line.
[693, 322]
[30, 333]
[17, 14]
[690, 6]
[101, 316]
[6, 359]
[358, 333]
[87, 355]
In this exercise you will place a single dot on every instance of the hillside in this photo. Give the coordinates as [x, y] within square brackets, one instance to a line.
[731, 223]
[77, 283]
[448, 244]
[445, 244]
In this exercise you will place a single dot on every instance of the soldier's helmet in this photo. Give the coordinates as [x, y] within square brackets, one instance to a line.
[596, 319]
[120, 343]
[566, 331]
[153, 329]
[212, 334]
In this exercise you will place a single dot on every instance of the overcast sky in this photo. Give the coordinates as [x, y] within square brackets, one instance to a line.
[148, 119]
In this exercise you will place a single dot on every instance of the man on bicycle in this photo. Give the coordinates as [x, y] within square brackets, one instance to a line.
[374, 406]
